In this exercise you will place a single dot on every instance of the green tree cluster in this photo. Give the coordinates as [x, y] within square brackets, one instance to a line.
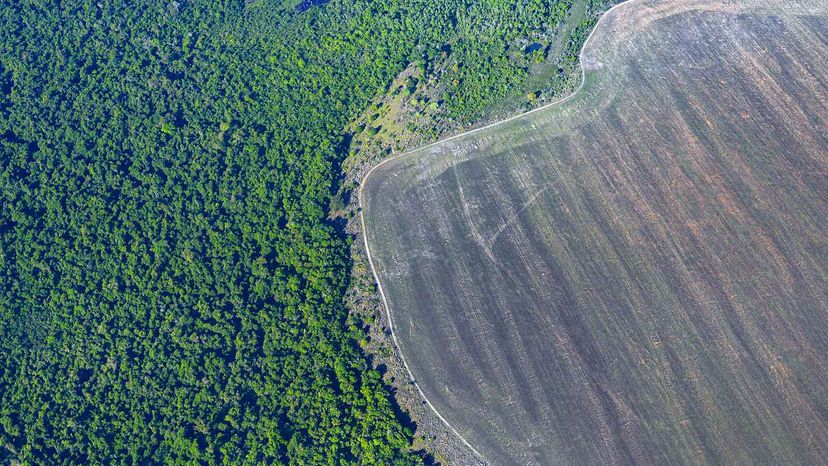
[483, 73]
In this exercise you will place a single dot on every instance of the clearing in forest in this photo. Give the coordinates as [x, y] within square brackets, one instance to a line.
[636, 274]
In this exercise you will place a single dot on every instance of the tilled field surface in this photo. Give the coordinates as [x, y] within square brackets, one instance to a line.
[640, 273]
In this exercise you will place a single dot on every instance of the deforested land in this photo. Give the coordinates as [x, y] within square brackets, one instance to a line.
[638, 273]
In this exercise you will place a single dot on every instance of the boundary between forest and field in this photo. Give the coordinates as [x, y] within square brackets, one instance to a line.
[450, 138]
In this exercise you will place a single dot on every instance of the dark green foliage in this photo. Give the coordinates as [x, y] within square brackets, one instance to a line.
[170, 290]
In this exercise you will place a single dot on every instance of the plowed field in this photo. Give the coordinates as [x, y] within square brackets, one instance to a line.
[638, 273]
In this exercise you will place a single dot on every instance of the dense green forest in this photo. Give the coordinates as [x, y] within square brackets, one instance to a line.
[171, 290]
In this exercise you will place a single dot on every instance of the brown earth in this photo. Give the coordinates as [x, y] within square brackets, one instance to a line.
[639, 274]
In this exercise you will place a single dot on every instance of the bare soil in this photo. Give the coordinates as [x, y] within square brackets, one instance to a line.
[636, 275]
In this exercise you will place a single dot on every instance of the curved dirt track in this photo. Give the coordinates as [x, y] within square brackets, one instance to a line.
[638, 273]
